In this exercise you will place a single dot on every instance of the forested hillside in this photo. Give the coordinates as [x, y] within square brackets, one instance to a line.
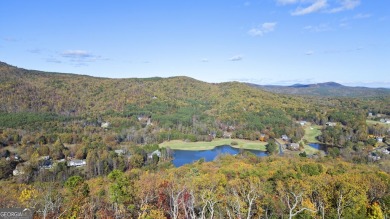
[75, 146]
[30, 96]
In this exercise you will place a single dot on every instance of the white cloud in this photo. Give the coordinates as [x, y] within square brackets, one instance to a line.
[262, 29]
[372, 84]
[345, 5]
[81, 57]
[204, 60]
[318, 28]
[286, 2]
[10, 39]
[304, 7]
[35, 51]
[76, 54]
[309, 53]
[362, 16]
[316, 6]
[236, 58]
[53, 60]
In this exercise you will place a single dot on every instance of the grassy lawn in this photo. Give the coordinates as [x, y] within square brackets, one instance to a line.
[373, 122]
[195, 146]
[311, 132]
[310, 150]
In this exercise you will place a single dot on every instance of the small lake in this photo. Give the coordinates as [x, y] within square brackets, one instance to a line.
[181, 157]
[322, 147]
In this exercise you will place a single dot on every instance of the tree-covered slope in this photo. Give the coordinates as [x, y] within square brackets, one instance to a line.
[175, 108]
[77, 95]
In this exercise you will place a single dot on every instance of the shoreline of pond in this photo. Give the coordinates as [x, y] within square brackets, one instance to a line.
[204, 146]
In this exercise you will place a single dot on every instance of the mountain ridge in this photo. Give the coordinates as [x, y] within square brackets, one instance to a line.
[325, 89]
[24, 90]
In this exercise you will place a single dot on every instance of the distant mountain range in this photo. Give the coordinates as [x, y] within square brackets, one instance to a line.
[327, 89]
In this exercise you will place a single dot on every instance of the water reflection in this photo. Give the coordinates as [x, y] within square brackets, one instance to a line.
[182, 157]
[322, 147]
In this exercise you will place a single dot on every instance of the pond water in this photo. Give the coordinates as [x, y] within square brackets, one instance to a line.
[322, 147]
[181, 157]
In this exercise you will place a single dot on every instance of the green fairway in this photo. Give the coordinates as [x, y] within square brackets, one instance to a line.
[373, 122]
[310, 150]
[196, 146]
[311, 133]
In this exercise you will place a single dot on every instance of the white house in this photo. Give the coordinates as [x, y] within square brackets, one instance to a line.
[105, 125]
[331, 124]
[120, 152]
[386, 151]
[77, 163]
[302, 123]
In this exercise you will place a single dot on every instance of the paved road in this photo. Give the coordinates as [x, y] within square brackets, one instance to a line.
[280, 147]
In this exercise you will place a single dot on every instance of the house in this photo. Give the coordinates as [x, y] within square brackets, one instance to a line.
[386, 151]
[227, 135]
[105, 125]
[331, 124]
[156, 152]
[382, 120]
[285, 138]
[120, 152]
[46, 164]
[145, 119]
[302, 123]
[149, 121]
[44, 158]
[293, 146]
[379, 139]
[19, 169]
[17, 172]
[262, 137]
[374, 157]
[77, 163]
[370, 114]
[231, 128]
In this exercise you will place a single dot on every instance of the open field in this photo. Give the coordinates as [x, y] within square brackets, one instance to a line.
[310, 150]
[194, 146]
[311, 132]
[307, 148]
[373, 122]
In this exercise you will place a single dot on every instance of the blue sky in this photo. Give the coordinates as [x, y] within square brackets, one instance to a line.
[264, 41]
